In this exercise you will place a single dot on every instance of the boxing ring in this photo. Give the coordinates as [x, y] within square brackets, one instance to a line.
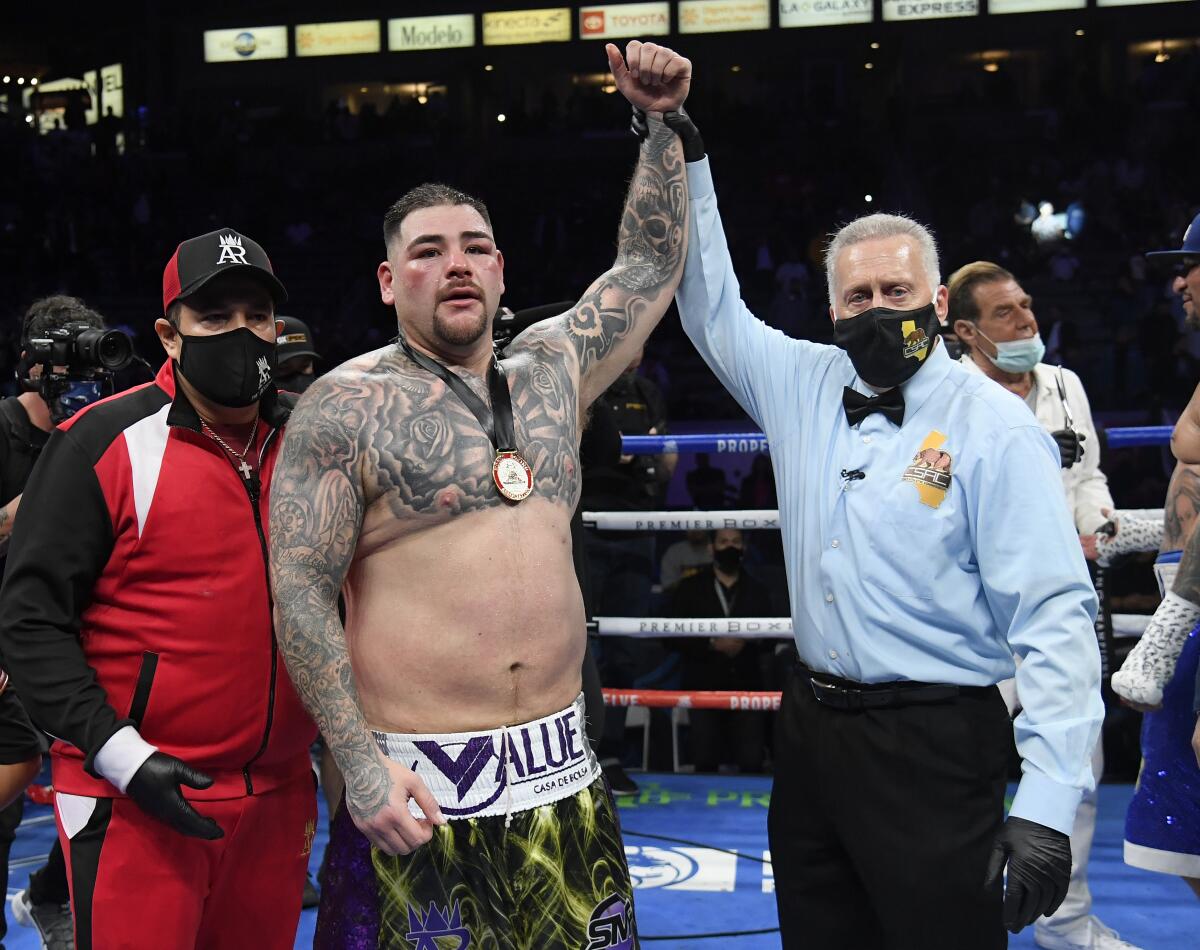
[1109, 627]
[697, 844]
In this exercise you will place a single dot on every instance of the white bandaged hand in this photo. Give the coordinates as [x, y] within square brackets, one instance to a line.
[1132, 535]
[1151, 663]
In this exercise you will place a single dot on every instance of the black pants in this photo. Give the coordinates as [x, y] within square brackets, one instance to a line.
[882, 822]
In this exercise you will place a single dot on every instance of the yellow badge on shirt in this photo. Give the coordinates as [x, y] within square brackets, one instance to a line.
[930, 470]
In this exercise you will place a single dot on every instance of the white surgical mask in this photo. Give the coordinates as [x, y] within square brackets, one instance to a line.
[1016, 356]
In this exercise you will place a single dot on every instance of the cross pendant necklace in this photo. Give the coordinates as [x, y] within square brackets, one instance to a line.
[243, 466]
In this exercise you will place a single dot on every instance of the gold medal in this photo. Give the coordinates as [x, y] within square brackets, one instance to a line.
[512, 475]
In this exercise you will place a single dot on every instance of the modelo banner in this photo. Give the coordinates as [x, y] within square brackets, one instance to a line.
[616, 21]
[723, 16]
[245, 43]
[337, 39]
[508, 27]
[825, 12]
[408, 34]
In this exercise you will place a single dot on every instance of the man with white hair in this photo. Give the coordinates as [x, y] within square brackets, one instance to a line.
[912, 493]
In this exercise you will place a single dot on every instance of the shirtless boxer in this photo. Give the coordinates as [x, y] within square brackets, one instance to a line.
[453, 690]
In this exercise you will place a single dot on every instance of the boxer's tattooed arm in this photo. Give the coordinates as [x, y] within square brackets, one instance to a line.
[618, 312]
[316, 513]
[1182, 506]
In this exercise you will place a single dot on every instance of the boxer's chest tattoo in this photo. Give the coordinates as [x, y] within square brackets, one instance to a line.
[428, 454]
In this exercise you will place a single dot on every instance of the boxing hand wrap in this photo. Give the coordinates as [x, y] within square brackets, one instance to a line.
[1151, 663]
[1131, 535]
[678, 122]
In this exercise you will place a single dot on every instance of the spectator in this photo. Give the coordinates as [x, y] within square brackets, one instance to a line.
[720, 739]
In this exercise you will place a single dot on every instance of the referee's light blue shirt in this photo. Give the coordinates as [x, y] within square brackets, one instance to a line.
[885, 586]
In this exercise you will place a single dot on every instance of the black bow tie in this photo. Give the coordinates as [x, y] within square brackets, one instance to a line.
[858, 406]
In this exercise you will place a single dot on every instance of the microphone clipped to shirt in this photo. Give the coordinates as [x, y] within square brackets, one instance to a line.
[851, 475]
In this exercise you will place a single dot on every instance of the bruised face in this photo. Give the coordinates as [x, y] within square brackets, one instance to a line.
[444, 275]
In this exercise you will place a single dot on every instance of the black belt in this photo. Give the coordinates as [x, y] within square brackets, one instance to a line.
[846, 694]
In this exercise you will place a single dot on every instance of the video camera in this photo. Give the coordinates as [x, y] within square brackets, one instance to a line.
[87, 357]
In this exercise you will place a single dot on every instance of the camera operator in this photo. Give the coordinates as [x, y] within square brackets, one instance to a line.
[56, 384]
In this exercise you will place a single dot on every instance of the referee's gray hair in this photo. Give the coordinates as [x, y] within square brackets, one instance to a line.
[873, 226]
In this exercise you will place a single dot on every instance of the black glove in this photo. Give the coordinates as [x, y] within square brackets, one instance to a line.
[155, 788]
[1070, 445]
[1039, 870]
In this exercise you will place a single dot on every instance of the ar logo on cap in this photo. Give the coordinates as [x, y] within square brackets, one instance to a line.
[232, 251]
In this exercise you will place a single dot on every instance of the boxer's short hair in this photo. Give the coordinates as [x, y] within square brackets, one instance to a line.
[428, 195]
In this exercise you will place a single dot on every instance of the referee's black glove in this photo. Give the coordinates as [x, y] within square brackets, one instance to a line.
[1039, 870]
[155, 789]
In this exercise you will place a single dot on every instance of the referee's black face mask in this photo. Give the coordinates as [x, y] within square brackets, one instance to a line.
[887, 346]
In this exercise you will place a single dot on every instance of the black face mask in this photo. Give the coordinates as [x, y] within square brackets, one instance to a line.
[295, 382]
[232, 369]
[884, 348]
[728, 559]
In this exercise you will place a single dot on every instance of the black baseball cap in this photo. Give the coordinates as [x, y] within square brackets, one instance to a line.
[295, 339]
[198, 260]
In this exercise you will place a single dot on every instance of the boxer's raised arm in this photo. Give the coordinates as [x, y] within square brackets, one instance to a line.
[621, 308]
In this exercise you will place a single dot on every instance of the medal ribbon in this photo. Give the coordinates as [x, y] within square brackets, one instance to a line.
[500, 427]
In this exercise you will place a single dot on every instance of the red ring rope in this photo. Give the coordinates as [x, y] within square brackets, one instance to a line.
[693, 699]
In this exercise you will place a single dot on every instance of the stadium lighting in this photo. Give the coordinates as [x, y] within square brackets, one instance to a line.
[874, 46]
[488, 68]
[1160, 57]
[8, 79]
[501, 117]
[422, 99]
[868, 198]
[735, 69]
[991, 67]
[868, 65]
[1079, 32]
[20, 80]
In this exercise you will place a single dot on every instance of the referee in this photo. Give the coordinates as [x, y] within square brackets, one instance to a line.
[927, 541]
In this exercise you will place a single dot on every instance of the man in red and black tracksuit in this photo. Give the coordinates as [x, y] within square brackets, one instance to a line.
[136, 621]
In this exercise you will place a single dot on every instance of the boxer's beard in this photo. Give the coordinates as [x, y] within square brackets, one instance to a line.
[459, 334]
